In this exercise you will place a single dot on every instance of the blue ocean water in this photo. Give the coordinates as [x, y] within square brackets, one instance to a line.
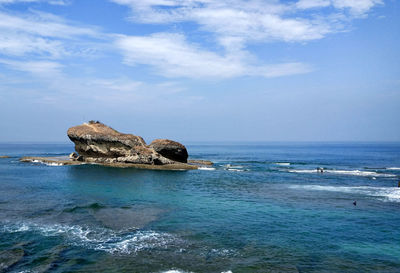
[261, 208]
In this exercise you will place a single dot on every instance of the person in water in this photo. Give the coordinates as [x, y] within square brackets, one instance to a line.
[320, 170]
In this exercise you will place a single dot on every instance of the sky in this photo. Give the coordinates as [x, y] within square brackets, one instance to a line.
[201, 70]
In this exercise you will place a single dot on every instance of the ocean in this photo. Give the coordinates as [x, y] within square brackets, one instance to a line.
[262, 207]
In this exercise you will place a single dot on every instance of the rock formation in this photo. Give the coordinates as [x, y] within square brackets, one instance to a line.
[98, 143]
[170, 149]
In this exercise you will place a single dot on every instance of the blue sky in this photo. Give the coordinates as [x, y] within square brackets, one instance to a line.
[201, 70]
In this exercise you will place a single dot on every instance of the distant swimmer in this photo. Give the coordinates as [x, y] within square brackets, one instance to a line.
[320, 170]
[355, 203]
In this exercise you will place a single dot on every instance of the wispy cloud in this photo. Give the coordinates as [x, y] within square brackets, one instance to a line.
[43, 34]
[242, 21]
[45, 40]
[173, 56]
[233, 24]
[357, 7]
[37, 68]
[51, 2]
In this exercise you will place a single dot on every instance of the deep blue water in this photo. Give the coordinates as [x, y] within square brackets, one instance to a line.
[260, 208]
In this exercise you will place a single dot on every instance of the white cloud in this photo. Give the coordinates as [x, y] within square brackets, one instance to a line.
[173, 56]
[233, 20]
[234, 24]
[118, 84]
[38, 68]
[18, 45]
[357, 7]
[308, 4]
[43, 24]
[284, 69]
[42, 34]
[51, 2]
[244, 21]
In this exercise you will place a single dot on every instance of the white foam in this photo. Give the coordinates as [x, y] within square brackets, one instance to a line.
[346, 172]
[53, 164]
[303, 171]
[98, 239]
[175, 271]
[180, 271]
[235, 170]
[282, 163]
[233, 166]
[385, 193]
[46, 163]
[393, 168]
[206, 169]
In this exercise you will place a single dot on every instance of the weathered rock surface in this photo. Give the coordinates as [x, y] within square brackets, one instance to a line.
[73, 156]
[99, 143]
[57, 161]
[170, 149]
[201, 162]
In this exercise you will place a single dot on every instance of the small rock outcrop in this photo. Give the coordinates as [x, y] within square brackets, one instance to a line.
[98, 143]
[170, 149]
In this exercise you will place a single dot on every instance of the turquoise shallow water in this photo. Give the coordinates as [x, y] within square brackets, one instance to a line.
[260, 208]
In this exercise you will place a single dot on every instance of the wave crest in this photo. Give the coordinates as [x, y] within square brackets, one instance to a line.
[346, 172]
[385, 193]
[98, 238]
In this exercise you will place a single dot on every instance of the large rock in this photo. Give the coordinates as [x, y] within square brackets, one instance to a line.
[99, 143]
[170, 149]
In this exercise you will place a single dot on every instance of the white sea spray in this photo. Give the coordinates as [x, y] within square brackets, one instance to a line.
[391, 194]
[345, 172]
[97, 238]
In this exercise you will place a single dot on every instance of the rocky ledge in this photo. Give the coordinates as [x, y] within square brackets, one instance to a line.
[97, 143]
[61, 161]
[170, 149]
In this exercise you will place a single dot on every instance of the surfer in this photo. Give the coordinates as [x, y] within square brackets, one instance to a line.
[320, 170]
[355, 203]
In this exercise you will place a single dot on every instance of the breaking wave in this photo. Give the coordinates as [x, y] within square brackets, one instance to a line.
[386, 193]
[234, 168]
[346, 172]
[46, 163]
[97, 239]
[181, 271]
[282, 163]
[206, 169]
